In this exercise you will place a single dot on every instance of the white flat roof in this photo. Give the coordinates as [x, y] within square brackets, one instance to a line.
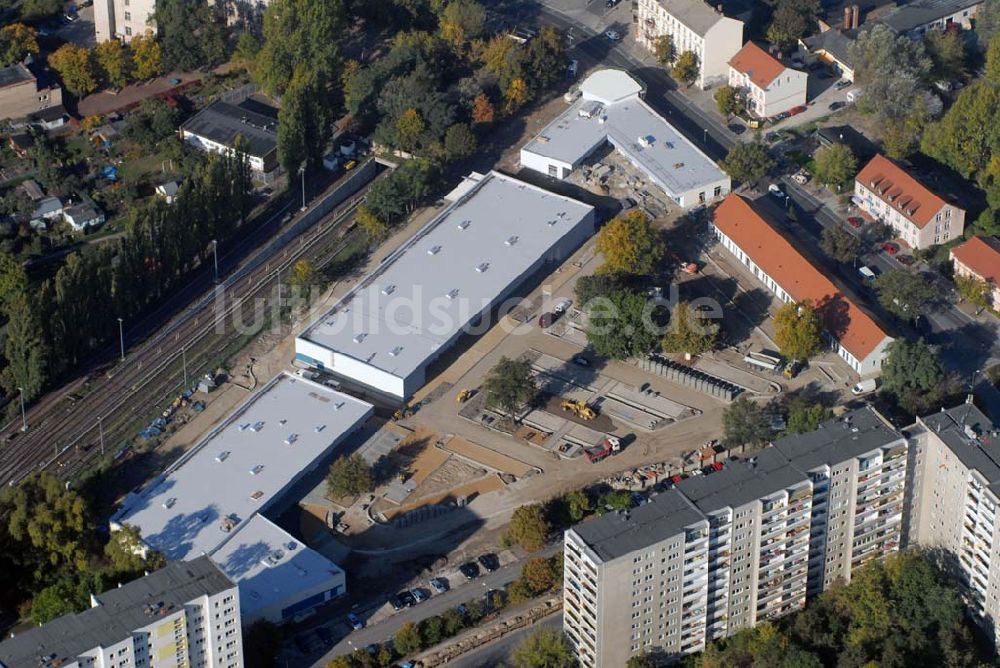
[270, 566]
[633, 128]
[610, 86]
[441, 278]
[265, 444]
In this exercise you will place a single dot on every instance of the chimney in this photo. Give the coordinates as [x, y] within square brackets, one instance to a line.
[848, 13]
[855, 16]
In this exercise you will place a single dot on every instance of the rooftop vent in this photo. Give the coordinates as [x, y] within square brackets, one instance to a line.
[291, 439]
[464, 224]
[319, 428]
[388, 290]
[257, 469]
[256, 496]
[244, 426]
[221, 457]
[340, 404]
[257, 426]
[169, 503]
[274, 558]
[395, 351]
[452, 293]
[358, 338]
[551, 223]
[511, 240]
[433, 250]
[483, 266]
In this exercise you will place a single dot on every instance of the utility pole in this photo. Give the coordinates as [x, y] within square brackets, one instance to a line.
[184, 362]
[215, 257]
[100, 428]
[121, 336]
[302, 171]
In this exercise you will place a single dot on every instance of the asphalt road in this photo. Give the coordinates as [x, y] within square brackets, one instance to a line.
[348, 640]
[498, 653]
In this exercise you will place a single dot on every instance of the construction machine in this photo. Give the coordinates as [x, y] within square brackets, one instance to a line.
[579, 408]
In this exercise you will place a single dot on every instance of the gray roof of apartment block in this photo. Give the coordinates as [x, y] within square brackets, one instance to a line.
[783, 465]
[973, 438]
[134, 605]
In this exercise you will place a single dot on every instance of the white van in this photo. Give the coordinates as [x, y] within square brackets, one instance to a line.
[868, 274]
[865, 386]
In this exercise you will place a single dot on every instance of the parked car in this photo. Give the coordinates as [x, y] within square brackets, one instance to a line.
[572, 68]
[834, 106]
[325, 637]
[419, 595]
[547, 319]
[795, 111]
[440, 585]
[737, 128]
[612, 3]
[469, 570]
[865, 386]
[775, 190]
[842, 84]
[572, 95]
[580, 360]
[396, 602]
[890, 248]
[563, 306]
[855, 222]
[355, 621]
[406, 599]
[868, 274]
[613, 35]
[489, 562]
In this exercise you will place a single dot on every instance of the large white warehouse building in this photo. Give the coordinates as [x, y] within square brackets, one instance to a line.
[210, 502]
[611, 110]
[497, 232]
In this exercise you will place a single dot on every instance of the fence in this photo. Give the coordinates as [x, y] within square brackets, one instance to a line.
[688, 377]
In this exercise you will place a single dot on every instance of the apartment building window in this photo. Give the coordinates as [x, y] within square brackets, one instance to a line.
[128, 31]
[128, 16]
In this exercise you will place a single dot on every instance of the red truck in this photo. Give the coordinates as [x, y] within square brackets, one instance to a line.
[605, 448]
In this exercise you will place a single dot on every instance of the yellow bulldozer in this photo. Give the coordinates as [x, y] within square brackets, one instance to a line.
[578, 408]
[464, 396]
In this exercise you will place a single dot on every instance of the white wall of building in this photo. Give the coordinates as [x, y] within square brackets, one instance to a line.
[787, 91]
[555, 168]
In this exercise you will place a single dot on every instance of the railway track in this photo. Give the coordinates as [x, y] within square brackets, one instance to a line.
[68, 436]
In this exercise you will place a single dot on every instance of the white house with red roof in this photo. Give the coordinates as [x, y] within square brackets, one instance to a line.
[921, 218]
[769, 87]
[979, 258]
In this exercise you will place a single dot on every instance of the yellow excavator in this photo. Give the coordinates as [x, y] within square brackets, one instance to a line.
[578, 408]
[464, 396]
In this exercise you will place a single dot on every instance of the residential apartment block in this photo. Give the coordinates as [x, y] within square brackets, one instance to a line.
[124, 19]
[916, 19]
[186, 615]
[921, 218]
[979, 258]
[218, 127]
[768, 87]
[22, 94]
[773, 260]
[723, 552]
[694, 26]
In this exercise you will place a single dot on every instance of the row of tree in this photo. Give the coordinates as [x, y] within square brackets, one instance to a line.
[903, 611]
[109, 64]
[53, 327]
[51, 556]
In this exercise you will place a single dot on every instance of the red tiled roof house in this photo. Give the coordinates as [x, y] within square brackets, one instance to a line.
[979, 258]
[921, 218]
[786, 272]
[769, 88]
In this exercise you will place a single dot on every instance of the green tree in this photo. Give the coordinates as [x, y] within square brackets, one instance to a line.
[578, 504]
[689, 332]
[509, 386]
[993, 60]
[804, 417]
[515, 95]
[127, 555]
[13, 281]
[191, 34]
[459, 142]
[35, 9]
[147, 58]
[686, 68]
[304, 121]
[452, 622]
[946, 50]
[839, 244]
[75, 69]
[745, 424]
[407, 639]
[16, 41]
[596, 285]
[748, 162]
[663, 49]
[113, 62]
[431, 631]
[349, 476]
[623, 325]
[299, 33]
[903, 293]
[641, 661]
[375, 227]
[462, 21]
[913, 375]
[545, 648]
[25, 348]
[792, 19]
[891, 69]
[977, 292]
[70, 593]
[630, 245]
[836, 166]
[304, 275]
[727, 101]
[529, 528]
[798, 330]
[482, 109]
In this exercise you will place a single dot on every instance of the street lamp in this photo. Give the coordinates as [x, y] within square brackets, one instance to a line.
[302, 171]
[704, 139]
[184, 362]
[24, 418]
[100, 428]
[215, 257]
[121, 336]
